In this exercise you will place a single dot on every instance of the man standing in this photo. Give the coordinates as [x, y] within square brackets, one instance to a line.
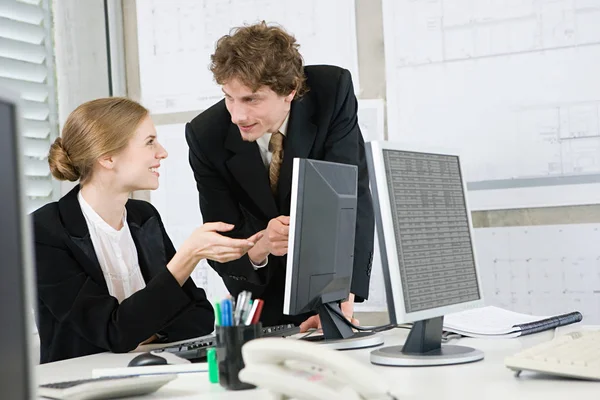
[241, 152]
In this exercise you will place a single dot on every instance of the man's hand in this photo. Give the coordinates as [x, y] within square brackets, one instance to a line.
[149, 340]
[274, 240]
[347, 308]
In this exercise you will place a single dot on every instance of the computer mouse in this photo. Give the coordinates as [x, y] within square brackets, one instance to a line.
[146, 359]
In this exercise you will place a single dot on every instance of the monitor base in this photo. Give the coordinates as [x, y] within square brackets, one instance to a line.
[446, 355]
[359, 340]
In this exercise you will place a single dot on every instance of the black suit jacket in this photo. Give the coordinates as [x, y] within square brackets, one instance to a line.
[233, 182]
[76, 314]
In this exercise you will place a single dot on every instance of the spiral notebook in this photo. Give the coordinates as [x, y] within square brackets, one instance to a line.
[495, 322]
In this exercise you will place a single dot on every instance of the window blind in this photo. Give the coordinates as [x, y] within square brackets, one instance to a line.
[27, 68]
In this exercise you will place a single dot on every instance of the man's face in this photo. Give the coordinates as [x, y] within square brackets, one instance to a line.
[255, 112]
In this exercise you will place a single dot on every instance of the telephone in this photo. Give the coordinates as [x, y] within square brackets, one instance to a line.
[294, 369]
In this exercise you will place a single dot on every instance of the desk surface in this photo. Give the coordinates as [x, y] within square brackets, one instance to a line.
[487, 379]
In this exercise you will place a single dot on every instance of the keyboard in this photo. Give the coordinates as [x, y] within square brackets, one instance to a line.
[280, 330]
[105, 388]
[195, 350]
[576, 355]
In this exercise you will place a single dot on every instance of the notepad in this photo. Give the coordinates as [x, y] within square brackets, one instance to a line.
[497, 322]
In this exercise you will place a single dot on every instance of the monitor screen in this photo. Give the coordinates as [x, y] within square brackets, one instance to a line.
[424, 228]
[424, 225]
[15, 272]
[431, 226]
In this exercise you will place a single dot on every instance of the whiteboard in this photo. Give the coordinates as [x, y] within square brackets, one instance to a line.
[177, 37]
[513, 83]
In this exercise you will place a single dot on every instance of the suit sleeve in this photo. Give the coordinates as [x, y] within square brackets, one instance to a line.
[345, 144]
[198, 318]
[74, 298]
[218, 204]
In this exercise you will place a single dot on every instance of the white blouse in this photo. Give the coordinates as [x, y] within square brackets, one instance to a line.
[116, 253]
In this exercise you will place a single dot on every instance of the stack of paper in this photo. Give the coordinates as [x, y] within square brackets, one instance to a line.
[497, 322]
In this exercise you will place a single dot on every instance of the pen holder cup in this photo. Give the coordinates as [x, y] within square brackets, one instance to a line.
[230, 340]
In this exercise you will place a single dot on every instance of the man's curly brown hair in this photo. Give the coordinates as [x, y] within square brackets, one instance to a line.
[260, 55]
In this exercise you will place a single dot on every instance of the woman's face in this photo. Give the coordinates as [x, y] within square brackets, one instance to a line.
[136, 167]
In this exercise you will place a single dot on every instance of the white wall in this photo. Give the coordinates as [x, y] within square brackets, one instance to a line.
[81, 57]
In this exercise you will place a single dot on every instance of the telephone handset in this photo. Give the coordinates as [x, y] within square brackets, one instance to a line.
[307, 371]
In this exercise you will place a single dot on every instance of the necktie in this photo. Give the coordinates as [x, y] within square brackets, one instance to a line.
[275, 147]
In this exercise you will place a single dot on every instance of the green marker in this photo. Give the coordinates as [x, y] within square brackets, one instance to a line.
[217, 313]
[213, 369]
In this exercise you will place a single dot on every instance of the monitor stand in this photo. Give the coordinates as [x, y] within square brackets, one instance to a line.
[338, 335]
[423, 347]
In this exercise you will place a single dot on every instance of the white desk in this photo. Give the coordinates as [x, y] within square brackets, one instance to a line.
[487, 379]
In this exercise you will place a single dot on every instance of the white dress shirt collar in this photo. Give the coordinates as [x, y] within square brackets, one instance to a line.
[116, 253]
[263, 141]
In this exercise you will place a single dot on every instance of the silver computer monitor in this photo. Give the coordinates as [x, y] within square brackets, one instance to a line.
[16, 274]
[425, 238]
[320, 256]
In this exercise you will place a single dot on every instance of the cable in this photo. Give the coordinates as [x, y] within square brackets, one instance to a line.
[448, 336]
[380, 328]
[310, 333]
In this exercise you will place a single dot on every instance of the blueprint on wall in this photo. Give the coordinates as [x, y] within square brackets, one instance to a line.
[177, 37]
[542, 270]
[539, 270]
[512, 84]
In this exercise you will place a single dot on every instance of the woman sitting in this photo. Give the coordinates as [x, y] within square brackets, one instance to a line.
[108, 276]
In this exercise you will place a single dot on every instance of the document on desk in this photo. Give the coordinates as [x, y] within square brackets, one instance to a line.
[495, 322]
[151, 370]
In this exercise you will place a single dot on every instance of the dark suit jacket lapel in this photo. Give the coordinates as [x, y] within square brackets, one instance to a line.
[248, 169]
[148, 240]
[298, 144]
[74, 222]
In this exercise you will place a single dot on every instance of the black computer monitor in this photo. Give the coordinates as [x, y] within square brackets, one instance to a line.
[321, 248]
[425, 239]
[16, 274]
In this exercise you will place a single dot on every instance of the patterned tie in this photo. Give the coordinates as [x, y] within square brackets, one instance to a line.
[275, 147]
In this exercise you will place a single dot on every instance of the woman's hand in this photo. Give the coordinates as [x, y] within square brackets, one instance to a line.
[206, 243]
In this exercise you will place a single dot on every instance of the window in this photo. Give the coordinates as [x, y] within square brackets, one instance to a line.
[27, 68]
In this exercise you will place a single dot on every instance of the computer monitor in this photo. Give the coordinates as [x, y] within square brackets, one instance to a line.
[321, 248]
[425, 238]
[16, 274]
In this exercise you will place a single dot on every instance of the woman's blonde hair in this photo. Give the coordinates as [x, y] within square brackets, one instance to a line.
[94, 129]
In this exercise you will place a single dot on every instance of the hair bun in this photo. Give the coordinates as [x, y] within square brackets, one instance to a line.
[61, 166]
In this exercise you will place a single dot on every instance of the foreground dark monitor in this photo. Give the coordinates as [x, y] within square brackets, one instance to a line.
[16, 279]
[321, 246]
[425, 238]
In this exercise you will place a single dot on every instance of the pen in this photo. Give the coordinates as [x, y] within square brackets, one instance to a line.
[241, 301]
[217, 313]
[244, 307]
[251, 312]
[259, 307]
[246, 313]
[226, 313]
